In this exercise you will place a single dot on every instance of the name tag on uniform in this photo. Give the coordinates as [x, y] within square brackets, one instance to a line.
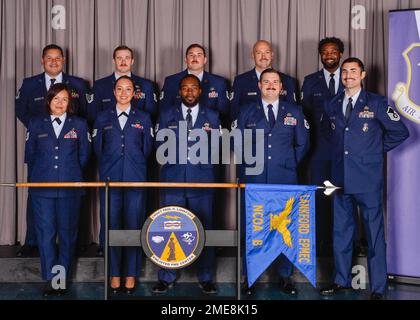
[72, 134]
[108, 128]
[319, 94]
[252, 93]
[290, 121]
[39, 99]
[43, 135]
[173, 125]
[251, 125]
[106, 100]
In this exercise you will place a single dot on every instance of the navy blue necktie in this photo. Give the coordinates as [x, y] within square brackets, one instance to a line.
[331, 85]
[271, 118]
[189, 119]
[349, 109]
[57, 120]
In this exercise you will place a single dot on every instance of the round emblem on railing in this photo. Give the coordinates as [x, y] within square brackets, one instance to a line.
[173, 237]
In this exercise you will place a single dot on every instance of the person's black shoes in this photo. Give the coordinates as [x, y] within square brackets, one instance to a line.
[161, 287]
[287, 286]
[48, 290]
[208, 287]
[333, 289]
[100, 253]
[27, 251]
[376, 296]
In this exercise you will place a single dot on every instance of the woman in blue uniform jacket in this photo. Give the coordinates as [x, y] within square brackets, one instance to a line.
[58, 146]
[123, 140]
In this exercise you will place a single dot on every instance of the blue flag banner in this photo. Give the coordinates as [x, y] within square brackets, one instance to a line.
[280, 219]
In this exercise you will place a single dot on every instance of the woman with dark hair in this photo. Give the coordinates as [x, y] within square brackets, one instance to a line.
[123, 139]
[58, 146]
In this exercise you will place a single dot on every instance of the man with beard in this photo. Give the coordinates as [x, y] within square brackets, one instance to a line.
[103, 89]
[317, 89]
[245, 87]
[215, 94]
[198, 200]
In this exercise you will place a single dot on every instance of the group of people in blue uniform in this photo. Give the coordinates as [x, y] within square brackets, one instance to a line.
[343, 130]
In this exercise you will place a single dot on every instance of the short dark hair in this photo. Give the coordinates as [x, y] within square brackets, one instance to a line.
[122, 47]
[356, 60]
[189, 76]
[333, 40]
[125, 77]
[195, 45]
[53, 91]
[270, 70]
[52, 47]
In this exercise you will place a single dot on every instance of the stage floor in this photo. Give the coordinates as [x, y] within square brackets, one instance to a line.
[185, 291]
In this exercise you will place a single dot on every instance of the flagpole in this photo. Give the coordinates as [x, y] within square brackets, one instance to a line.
[238, 239]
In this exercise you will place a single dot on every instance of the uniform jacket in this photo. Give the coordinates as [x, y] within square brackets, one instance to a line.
[215, 94]
[57, 160]
[284, 145]
[245, 91]
[103, 95]
[359, 146]
[207, 119]
[30, 100]
[122, 154]
[315, 95]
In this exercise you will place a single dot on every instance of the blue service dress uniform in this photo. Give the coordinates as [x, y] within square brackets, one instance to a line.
[215, 94]
[199, 200]
[122, 155]
[315, 94]
[359, 146]
[56, 210]
[246, 91]
[103, 98]
[30, 102]
[284, 147]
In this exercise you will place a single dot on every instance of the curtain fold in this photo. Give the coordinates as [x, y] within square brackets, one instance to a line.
[159, 31]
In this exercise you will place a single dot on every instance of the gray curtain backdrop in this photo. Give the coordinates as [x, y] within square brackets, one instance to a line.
[159, 31]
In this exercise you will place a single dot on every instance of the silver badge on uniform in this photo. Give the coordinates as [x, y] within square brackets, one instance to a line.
[89, 97]
[365, 127]
[234, 124]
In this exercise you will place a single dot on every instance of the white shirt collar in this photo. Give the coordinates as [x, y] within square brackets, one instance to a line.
[194, 112]
[127, 111]
[119, 76]
[258, 74]
[62, 117]
[199, 76]
[275, 108]
[337, 75]
[58, 79]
